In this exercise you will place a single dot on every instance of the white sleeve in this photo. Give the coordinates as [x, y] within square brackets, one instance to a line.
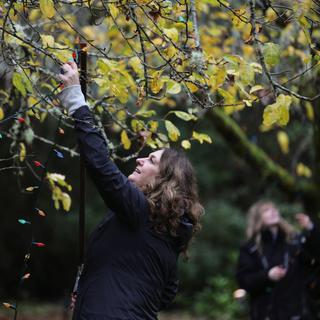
[72, 98]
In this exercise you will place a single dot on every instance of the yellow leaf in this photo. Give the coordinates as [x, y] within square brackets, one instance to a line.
[34, 15]
[156, 83]
[121, 115]
[173, 131]
[89, 32]
[153, 126]
[201, 137]
[192, 87]
[43, 116]
[303, 170]
[283, 141]
[227, 96]
[309, 110]
[137, 125]
[1, 113]
[256, 66]
[278, 112]
[47, 8]
[125, 140]
[47, 40]
[186, 144]
[170, 51]
[217, 78]
[23, 152]
[256, 88]
[66, 201]
[136, 65]
[113, 10]
[62, 55]
[171, 33]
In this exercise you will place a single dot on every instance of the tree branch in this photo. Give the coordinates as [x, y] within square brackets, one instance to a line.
[257, 158]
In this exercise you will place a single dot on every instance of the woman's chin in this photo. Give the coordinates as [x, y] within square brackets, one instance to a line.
[133, 179]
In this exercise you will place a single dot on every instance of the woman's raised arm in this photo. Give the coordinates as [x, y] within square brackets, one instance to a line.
[119, 194]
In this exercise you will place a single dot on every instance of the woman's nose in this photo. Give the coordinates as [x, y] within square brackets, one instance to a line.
[139, 161]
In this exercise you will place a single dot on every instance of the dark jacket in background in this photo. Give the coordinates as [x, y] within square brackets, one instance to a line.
[130, 270]
[287, 299]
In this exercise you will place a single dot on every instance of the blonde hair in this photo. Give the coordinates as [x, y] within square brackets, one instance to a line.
[254, 223]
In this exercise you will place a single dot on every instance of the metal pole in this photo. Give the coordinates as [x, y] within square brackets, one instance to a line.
[82, 62]
[83, 83]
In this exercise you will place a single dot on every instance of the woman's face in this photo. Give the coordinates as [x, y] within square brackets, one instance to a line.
[146, 170]
[270, 216]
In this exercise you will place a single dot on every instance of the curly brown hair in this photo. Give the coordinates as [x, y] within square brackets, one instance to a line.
[174, 193]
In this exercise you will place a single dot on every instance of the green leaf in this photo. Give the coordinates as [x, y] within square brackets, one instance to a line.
[271, 53]
[173, 131]
[146, 113]
[17, 81]
[184, 115]
[173, 87]
[247, 74]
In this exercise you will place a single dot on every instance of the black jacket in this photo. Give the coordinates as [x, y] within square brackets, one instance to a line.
[130, 270]
[288, 298]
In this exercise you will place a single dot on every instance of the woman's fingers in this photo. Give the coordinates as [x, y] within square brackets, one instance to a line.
[70, 75]
[62, 77]
[66, 67]
[73, 65]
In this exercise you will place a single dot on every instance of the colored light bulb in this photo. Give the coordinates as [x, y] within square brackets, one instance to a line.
[22, 221]
[58, 153]
[8, 305]
[39, 244]
[26, 276]
[38, 164]
[31, 188]
[40, 212]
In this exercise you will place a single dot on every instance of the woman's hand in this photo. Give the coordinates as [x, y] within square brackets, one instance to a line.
[277, 273]
[70, 77]
[73, 301]
[71, 97]
[304, 221]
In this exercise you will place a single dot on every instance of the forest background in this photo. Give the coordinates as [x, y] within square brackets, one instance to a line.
[235, 84]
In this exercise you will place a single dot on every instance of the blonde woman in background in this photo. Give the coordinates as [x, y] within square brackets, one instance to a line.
[274, 264]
